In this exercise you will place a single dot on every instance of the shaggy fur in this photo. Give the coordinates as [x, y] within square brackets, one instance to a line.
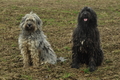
[86, 41]
[32, 42]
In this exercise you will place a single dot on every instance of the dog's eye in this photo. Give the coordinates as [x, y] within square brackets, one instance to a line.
[32, 20]
[27, 20]
[38, 22]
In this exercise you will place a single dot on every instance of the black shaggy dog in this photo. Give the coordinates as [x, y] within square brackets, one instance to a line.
[86, 41]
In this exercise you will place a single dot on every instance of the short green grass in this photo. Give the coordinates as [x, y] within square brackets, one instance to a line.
[26, 77]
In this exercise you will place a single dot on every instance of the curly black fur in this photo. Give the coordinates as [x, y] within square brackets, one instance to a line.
[86, 41]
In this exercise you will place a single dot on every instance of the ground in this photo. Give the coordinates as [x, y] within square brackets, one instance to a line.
[59, 20]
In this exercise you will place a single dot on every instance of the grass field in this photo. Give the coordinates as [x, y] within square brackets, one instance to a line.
[59, 20]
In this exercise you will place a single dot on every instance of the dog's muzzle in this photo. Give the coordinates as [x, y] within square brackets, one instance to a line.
[29, 27]
[85, 16]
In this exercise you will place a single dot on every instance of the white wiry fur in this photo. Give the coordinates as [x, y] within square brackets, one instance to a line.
[33, 44]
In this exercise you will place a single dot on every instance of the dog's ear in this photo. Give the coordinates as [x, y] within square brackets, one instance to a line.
[22, 22]
[94, 16]
[38, 21]
[23, 19]
[93, 12]
[40, 24]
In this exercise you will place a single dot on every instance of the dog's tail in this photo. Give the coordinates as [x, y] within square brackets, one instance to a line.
[61, 59]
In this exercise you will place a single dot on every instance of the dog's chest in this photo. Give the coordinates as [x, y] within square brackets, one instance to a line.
[82, 43]
[30, 43]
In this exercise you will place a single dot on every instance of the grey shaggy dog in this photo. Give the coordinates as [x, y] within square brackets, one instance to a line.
[33, 44]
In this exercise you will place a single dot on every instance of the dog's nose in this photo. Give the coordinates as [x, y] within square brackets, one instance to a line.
[29, 25]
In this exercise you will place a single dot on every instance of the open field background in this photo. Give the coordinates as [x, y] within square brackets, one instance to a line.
[59, 20]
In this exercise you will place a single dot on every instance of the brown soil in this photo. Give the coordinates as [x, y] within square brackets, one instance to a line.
[59, 19]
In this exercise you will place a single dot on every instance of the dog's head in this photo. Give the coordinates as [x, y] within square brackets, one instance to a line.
[87, 15]
[31, 22]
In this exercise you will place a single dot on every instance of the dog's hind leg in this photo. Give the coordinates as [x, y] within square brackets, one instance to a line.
[47, 53]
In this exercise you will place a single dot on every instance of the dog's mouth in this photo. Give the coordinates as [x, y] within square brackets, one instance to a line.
[85, 19]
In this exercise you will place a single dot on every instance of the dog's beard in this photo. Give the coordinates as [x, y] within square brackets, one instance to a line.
[29, 28]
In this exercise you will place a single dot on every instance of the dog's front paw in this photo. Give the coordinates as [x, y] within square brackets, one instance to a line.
[75, 66]
[92, 68]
